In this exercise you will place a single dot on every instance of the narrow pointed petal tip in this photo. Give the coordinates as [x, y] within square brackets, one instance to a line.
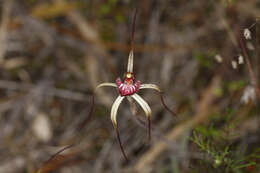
[114, 109]
[130, 64]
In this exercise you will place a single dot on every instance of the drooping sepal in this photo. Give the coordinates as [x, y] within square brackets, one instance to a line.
[146, 108]
[114, 109]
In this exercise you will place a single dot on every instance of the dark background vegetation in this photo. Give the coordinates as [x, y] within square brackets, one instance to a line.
[53, 53]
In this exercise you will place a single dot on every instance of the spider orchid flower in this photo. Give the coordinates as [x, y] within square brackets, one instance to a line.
[128, 89]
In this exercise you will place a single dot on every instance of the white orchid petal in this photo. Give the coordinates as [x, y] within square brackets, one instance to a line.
[143, 104]
[114, 109]
[130, 64]
[105, 85]
[150, 86]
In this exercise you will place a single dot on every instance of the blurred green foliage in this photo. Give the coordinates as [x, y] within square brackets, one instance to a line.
[221, 153]
[205, 59]
[236, 85]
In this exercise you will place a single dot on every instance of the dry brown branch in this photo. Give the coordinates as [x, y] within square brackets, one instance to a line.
[202, 115]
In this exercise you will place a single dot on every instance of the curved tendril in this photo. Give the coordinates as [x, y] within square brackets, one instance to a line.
[149, 128]
[165, 106]
[119, 141]
[155, 87]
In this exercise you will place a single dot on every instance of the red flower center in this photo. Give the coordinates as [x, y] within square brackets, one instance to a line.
[128, 87]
